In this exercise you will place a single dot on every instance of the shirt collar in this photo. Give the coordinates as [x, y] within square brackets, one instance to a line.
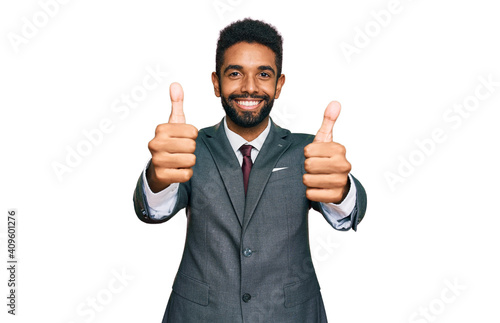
[236, 140]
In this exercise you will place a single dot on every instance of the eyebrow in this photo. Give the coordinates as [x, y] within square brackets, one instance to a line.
[239, 67]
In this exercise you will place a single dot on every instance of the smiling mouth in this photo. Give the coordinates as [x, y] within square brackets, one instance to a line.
[248, 104]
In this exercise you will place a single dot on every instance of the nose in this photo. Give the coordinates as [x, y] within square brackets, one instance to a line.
[249, 85]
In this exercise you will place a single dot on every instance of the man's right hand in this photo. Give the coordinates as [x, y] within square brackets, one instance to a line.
[172, 148]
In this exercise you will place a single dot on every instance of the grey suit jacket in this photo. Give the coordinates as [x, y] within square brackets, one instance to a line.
[246, 259]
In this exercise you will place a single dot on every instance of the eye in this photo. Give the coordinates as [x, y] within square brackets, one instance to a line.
[264, 75]
[234, 74]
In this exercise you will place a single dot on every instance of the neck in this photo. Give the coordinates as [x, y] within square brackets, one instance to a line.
[248, 134]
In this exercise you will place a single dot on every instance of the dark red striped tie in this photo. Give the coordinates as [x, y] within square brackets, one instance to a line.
[246, 167]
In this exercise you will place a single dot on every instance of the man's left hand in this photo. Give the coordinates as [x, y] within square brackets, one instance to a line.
[326, 166]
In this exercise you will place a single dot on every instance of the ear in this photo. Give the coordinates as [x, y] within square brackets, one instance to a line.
[215, 81]
[279, 85]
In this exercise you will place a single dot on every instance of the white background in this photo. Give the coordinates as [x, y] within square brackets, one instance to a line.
[435, 228]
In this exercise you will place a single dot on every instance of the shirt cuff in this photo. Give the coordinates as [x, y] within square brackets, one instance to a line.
[338, 215]
[161, 204]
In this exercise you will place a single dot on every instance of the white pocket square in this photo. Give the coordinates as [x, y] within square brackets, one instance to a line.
[279, 168]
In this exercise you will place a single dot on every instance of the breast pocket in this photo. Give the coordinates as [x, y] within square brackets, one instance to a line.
[290, 174]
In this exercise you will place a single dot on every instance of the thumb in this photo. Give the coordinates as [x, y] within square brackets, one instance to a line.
[332, 112]
[177, 98]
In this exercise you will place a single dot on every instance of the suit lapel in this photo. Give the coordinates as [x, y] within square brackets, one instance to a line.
[227, 164]
[274, 146]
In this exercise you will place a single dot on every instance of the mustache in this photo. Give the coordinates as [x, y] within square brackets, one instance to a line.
[246, 96]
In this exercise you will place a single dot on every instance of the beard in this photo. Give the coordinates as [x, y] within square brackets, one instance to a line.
[247, 119]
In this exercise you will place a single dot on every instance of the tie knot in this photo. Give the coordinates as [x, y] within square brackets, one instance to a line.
[246, 150]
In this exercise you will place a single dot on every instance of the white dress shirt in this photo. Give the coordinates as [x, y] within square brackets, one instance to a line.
[161, 204]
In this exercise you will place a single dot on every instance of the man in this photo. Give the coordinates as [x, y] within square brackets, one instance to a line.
[247, 186]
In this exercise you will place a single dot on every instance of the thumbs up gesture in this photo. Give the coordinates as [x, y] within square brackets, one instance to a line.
[326, 166]
[172, 148]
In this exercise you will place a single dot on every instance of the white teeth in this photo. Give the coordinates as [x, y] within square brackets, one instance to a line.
[248, 103]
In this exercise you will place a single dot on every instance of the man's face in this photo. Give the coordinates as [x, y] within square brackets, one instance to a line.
[248, 83]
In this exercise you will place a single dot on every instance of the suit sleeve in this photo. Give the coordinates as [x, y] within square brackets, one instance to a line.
[358, 211]
[141, 204]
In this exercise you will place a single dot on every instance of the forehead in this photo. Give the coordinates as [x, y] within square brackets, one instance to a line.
[249, 55]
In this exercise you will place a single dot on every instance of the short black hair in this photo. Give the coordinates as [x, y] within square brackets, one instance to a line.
[250, 31]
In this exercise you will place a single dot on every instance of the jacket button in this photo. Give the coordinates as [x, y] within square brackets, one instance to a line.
[247, 252]
[246, 297]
